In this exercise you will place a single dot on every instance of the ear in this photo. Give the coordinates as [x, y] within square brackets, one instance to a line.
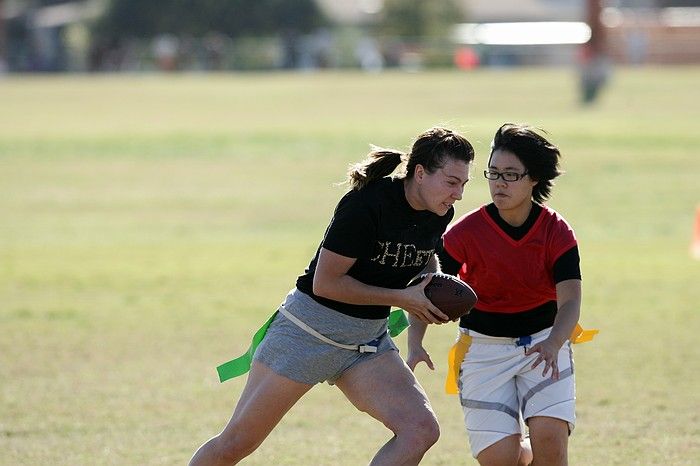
[419, 173]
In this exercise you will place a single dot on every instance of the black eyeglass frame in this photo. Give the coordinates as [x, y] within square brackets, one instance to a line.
[507, 176]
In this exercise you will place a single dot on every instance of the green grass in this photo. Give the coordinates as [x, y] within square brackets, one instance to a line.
[149, 224]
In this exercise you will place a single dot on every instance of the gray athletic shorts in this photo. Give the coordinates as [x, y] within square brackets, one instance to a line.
[294, 353]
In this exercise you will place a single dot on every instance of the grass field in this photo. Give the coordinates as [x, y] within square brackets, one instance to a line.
[149, 224]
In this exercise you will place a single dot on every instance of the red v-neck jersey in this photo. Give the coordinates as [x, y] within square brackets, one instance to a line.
[509, 275]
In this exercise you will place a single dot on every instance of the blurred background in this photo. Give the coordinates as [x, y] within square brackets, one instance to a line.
[227, 35]
[168, 167]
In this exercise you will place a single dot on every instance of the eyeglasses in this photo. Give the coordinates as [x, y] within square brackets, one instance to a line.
[507, 176]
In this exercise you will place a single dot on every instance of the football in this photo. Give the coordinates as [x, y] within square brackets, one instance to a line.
[449, 294]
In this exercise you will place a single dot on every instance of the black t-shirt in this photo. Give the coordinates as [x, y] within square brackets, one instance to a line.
[391, 241]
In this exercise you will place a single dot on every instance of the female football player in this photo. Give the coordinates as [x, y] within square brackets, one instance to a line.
[521, 257]
[332, 326]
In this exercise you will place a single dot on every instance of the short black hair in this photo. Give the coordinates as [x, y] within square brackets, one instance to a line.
[539, 156]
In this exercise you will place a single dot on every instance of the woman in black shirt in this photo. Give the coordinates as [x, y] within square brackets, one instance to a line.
[333, 325]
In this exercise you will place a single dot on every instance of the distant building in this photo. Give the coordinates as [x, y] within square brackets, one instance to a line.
[352, 12]
[668, 35]
[636, 31]
[491, 11]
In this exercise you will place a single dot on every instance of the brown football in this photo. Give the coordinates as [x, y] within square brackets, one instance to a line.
[449, 294]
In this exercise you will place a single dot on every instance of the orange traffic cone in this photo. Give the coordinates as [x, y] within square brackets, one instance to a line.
[695, 245]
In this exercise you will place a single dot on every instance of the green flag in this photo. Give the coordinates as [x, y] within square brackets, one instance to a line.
[397, 322]
[239, 366]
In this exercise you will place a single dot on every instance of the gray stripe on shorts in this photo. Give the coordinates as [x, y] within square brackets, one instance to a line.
[542, 385]
[490, 405]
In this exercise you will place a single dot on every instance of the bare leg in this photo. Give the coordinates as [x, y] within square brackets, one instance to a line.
[386, 389]
[550, 441]
[505, 452]
[266, 398]
[525, 452]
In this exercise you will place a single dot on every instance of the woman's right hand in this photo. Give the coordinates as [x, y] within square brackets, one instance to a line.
[417, 304]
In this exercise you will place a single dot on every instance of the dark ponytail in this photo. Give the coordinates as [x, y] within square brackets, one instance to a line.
[431, 150]
[378, 164]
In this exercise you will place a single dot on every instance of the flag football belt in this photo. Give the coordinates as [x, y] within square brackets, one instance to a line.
[461, 347]
[520, 341]
[370, 347]
[396, 324]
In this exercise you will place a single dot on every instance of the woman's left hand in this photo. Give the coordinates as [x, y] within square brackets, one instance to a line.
[548, 351]
[418, 354]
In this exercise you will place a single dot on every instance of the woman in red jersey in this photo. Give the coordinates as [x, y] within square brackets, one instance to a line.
[521, 258]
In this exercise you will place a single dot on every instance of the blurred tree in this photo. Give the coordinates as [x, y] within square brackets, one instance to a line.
[419, 19]
[416, 32]
[3, 51]
[234, 18]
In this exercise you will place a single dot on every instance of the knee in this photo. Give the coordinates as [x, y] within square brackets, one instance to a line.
[233, 447]
[420, 434]
[525, 457]
[429, 431]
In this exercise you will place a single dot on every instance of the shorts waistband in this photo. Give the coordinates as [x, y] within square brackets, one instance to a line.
[524, 340]
[370, 347]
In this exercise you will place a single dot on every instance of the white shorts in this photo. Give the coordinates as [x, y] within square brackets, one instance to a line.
[498, 389]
